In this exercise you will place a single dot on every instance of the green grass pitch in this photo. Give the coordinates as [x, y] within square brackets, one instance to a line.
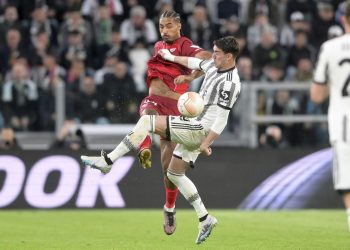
[142, 229]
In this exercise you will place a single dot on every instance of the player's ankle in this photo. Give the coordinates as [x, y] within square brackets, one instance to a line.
[169, 209]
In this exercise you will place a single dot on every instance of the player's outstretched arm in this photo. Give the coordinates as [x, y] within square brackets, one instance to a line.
[189, 62]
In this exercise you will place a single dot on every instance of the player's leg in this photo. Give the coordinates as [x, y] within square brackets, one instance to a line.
[176, 173]
[341, 173]
[145, 153]
[145, 125]
[346, 199]
[171, 190]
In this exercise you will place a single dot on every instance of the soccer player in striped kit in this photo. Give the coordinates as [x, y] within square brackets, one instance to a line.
[220, 90]
[332, 78]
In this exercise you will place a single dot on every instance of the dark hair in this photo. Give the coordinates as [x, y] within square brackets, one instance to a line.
[171, 14]
[228, 44]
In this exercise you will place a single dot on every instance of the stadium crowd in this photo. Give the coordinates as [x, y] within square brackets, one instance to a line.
[98, 50]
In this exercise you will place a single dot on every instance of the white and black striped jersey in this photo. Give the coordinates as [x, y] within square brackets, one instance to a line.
[333, 68]
[220, 89]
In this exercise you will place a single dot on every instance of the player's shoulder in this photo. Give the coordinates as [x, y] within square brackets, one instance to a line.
[334, 43]
[233, 77]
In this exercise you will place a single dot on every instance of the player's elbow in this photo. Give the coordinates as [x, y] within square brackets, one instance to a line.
[318, 94]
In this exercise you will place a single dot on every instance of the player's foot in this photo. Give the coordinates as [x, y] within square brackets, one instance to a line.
[145, 156]
[169, 222]
[205, 228]
[102, 163]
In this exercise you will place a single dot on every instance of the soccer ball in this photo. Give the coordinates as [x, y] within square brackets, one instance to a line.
[190, 104]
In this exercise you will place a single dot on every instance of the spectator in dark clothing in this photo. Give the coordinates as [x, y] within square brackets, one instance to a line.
[301, 49]
[11, 50]
[266, 52]
[90, 103]
[307, 7]
[321, 24]
[40, 49]
[20, 96]
[113, 49]
[10, 22]
[228, 8]
[200, 29]
[120, 92]
[265, 7]
[75, 50]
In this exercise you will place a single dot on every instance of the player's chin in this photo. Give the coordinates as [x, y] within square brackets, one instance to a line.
[167, 39]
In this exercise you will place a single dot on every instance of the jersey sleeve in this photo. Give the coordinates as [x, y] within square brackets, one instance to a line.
[205, 65]
[321, 70]
[189, 49]
[228, 94]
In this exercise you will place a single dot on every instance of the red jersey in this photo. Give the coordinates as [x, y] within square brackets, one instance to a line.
[168, 71]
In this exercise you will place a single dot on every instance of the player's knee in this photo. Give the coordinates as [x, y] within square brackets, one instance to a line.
[174, 177]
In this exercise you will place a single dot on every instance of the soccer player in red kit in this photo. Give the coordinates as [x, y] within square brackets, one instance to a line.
[166, 82]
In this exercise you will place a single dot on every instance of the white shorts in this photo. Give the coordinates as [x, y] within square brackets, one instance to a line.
[341, 166]
[189, 134]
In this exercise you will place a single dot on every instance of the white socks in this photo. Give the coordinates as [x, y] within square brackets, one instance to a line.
[145, 125]
[189, 191]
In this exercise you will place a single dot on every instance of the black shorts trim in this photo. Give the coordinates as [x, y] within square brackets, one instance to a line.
[167, 130]
[224, 107]
[178, 157]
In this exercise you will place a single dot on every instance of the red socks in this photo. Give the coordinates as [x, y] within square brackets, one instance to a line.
[147, 143]
[170, 197]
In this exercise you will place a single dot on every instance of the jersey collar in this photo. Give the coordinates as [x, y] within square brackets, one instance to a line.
[227, 70]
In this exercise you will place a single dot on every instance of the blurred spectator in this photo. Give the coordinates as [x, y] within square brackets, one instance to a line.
[114, 48]
[40, 49]
[232, 27]
[243, 46]
[75, 23]
[227, 9]
[138, 27]
[301, 49]
[20, 96]
[103, 26]
[334, 31]
[200, 29]
[139, 56]
[255, 30]
[39, 23]
[108, 67]
[307, 7]
[321, 24]
[297, 24]
[74, 50]
[120, 91]
[10, 21]
[267, 8]
[273, 72]
[90, 103]
[115, 9]
[69, 136]
[272, 138]
[245, 69]
[267, 51]
[304, 70]
[8, 140]
[10, 51]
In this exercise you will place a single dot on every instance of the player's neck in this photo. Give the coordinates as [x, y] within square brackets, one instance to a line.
[227, 67]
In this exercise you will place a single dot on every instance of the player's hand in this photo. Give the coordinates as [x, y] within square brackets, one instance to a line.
[183, 78]
[166, 55]
[206, 150]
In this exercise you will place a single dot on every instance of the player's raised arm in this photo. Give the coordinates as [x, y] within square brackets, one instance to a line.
[189, 62]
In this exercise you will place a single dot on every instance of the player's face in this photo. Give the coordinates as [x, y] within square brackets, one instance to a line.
[169, 29]
[221, 59]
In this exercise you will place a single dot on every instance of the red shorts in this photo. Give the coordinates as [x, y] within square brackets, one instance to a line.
[163, 105]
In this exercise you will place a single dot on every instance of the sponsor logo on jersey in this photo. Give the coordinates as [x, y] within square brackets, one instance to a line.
[224, 96]
[172, 50]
